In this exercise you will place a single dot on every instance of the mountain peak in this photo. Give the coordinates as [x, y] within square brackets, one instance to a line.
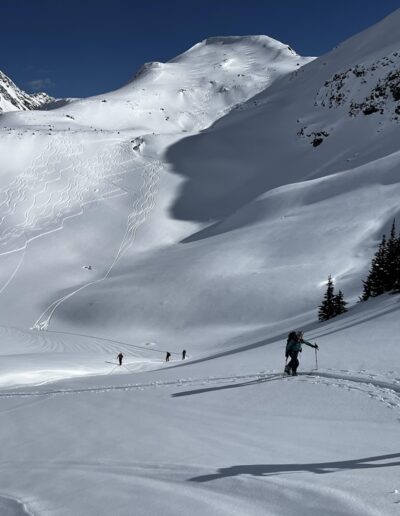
[13, 98]
[253, 41]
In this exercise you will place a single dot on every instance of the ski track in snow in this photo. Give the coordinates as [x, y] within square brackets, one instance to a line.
[143, 204]
[68, 183]
[64, 192]
[42, 344]
[387, 392]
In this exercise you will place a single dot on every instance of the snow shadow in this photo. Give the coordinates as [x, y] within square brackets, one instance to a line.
[215, 185]
[319, 468]
[318, 329]
[363, 320]
[229, 386]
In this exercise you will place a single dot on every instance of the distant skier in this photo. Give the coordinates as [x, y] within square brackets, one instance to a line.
[293, 348]
[167, 357]
[120, 356]
[184, 354]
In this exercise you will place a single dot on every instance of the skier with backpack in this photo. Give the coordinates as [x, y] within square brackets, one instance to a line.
[120, 356]
[293, 348]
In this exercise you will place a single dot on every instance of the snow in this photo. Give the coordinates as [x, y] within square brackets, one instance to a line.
[226, 435]
[12, 98]
[191, 209]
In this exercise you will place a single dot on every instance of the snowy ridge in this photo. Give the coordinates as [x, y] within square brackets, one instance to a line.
[12, 98]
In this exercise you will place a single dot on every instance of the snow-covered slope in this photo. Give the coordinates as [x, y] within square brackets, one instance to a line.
[101, 159]
[12, 98]
[187, 93]
[255, 184]
[219, 434]
[202, 207]
[186, 223]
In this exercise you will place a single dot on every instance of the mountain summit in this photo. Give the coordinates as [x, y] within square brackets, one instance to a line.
[13, 98]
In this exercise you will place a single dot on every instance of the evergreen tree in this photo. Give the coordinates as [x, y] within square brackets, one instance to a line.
[327, 308]
[391, 259]
[339, 303]
[376, 281]
[367, 292]
[396, 285]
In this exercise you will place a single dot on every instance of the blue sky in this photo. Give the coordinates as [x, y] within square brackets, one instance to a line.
[81, 48]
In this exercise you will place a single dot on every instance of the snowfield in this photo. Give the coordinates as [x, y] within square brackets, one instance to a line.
[202, 206]
[223, 434]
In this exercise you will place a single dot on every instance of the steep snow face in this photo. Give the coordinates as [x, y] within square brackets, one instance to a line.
[14, 99]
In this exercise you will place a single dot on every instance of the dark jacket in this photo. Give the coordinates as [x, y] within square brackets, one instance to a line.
[295, 345]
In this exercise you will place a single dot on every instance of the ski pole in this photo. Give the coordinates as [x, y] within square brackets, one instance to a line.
[316, 359]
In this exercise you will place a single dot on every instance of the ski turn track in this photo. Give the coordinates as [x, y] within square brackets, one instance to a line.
[387, 392]
[55, 187]
[142, 205]
[67, 183]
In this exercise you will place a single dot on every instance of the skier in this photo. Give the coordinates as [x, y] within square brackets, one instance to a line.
[184, 354]
[167, 356]
[293, 348]
[120, 356]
